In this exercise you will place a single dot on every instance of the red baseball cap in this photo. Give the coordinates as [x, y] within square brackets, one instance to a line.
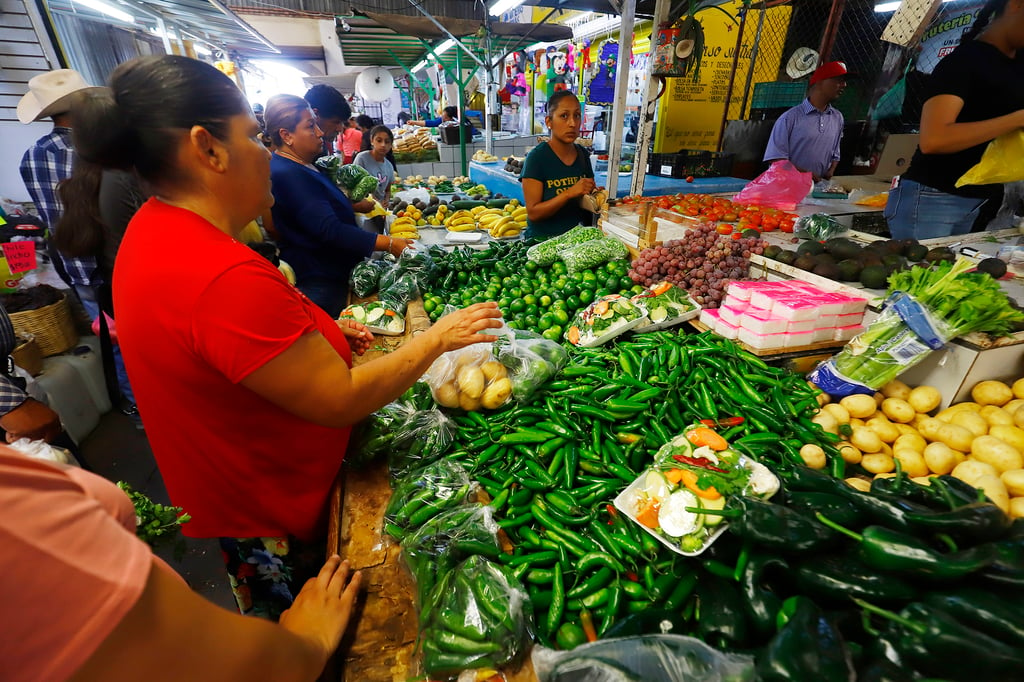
[829, 70]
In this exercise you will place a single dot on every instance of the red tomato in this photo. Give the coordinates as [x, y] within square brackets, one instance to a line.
[724, 228]
[730, 217]
[737, 236]
[689, 178]
[786, 226]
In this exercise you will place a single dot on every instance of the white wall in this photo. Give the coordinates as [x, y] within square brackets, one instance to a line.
[15, 138]
[288, 31]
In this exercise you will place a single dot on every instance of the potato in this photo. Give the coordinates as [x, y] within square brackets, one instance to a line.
[971, 470]
[898, 410]
[924, 398]
[447, 395]
[918, 418]
[995, 490]
[922, 480]
[471, 381]
[859, 406]
[996, 415]
[896, 389]
[956, 437]
[991, 393]
[1018, 389]
[826, 421]
[1009, 434]
[940, 458]
[467, 403]
[885, 429]
[991, 450]
[496, 394]
[891, 474]
[813, 456]
[912, 462]
[859, 484]
[907, 429]
[878, 399]
[865, 439]
[856, 422]
[1014, 481]
[912, 441]
[841, 414]
[929, 428]
[1016, 508]
[493, 369]
[849, 453]
[1018, 417]
[878, 463]
[1012, 406]
[822, 397]
[886, 449]
[972, 421]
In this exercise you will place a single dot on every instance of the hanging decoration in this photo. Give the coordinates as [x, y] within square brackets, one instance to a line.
[601, 89]
[556, 76]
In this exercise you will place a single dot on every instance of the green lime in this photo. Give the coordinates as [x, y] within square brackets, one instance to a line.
[586, 297]
[517, 305]
[573, 303]
[544, 301]
[515, 291]
[530, 299]
[429, 305]
[625, 283]
[545, 321]
[463, 277]
[552, 333]
[530, 322]
[569, 636]
[561, 316]
[512, 324]
[610, 266]
[589, 276]
[530, 266]
[531, 309]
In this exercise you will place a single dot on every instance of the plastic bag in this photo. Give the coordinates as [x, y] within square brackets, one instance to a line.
[1000, 163]
[365, 277]
[413, 437]
[664, 305]
[594, 252]
[40, 449]
[781, 186]
[350, 175]
[396, 294]
[530, 360]
[419, 263]
[470, 378]
[364, 188]
[650, 658]
[445, 540]
[424, 493]
[481, 601]
[819, 227]
[547, 252]
[603, 320]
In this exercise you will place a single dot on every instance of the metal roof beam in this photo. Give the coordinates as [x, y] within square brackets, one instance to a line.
[458, 43]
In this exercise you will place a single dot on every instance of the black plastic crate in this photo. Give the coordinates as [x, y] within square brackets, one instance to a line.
[697, 163]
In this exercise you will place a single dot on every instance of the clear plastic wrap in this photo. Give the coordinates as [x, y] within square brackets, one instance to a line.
[478, 616]
[378, 317]
[470, 378]
[579, 257]
[530, 360]
[412, 438]
[397, 293]
[819, 227]
[547, 252]
[424, 493]
[365, 277]
[603, 320]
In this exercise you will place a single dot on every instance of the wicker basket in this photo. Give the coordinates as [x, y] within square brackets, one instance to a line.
[51, 325]
[27, 354]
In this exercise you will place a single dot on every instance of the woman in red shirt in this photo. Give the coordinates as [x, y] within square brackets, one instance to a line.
[244, 385]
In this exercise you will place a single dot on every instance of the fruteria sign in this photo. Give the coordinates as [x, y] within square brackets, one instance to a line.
[944, 34]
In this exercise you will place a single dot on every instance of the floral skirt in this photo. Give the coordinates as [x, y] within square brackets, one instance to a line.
[267, 573]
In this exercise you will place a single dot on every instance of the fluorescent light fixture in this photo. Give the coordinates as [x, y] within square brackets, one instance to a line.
[502, 6]
[200, 50]
[444, 47]
[893, 6]
[596, 26]
[110, 11]
[422, 65]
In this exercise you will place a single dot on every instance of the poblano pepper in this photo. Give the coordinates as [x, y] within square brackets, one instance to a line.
[982, 610]
[838, 577]
[809, 647]
[973, 523]
[773, 526]
[762, 604]
[722, 622]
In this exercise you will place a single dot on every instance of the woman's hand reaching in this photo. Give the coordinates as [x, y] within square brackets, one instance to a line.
[359, 337]
[321, 611]
[462, 328]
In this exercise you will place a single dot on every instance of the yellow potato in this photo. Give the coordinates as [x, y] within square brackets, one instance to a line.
[995, 490]
[972, 421]
[991, 393]
[991, 450]
[891, 474]
[1016, 507]
[471, 381]
[878, 399]
[841, 414]
[912, 441]
[822, 397]
[467, 403]
[885, 429]
[496, 394]
[1018, 389]
[896, 389]
[859, 406]
[865, 439]
[1012, 406]
[1018, 417]
[912, 462]
[493, 369]
[447, 395]
[922, 480]
[907, 429]
[849, 453]
[940, 458]
[859, 484]
[929, 428]
[813, 456]
[878, 463]
[971, 470]
[898, 410]
[856, 422]
[956, 437]
[886, 449]
[996, 415]
[1014, 481]
[1009, 434]
[918, 418]
[924, 398]
[826, 421]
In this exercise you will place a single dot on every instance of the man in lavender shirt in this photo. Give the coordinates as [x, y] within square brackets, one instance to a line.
[808, 135]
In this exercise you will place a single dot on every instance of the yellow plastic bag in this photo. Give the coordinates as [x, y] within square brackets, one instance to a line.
[1001, 162]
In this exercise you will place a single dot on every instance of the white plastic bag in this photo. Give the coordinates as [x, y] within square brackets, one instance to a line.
[40, 449]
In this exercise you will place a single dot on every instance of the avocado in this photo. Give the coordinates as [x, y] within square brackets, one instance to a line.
[940, 253]
[992, 266]
[915, 252]
[825, 258]
[810, 247]
[786, 257]
[828, 270]
[750, 232]
[805, 262]
[874, 277]
[893, 246]
[869, 257]
[849, 270]
[842, 248]
[772, 251]
[893, 262]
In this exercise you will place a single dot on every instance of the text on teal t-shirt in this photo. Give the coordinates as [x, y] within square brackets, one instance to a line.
[543, 164]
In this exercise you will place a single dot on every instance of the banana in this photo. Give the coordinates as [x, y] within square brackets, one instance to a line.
[519, 213]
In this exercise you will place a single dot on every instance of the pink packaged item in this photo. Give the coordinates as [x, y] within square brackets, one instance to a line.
[822, 334]
[762, 341]
[801, 326]
[831, 304]
[795, 308]
[847, 333]
[827, 321]
[710, 317]
[849, 319]
[797, 339]
[726, 330]
[762, 296]
[852, 304]
[731, 315]
[739, 290]
[762, 322]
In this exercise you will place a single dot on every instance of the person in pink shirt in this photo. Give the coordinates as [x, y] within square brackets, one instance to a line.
[350, 140]
[87, 600]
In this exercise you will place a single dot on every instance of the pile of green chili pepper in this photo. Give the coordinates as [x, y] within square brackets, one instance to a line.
[423, 494]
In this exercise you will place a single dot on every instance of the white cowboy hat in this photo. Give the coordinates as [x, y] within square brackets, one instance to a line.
[802, 62]
[50, 93]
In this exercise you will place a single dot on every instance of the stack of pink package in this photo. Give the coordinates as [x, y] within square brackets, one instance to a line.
[789, 314]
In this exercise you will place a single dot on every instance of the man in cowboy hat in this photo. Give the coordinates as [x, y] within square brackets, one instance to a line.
[48, 161]
[808, 135]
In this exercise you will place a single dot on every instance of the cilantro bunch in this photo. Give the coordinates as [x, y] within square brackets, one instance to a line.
[154, 523]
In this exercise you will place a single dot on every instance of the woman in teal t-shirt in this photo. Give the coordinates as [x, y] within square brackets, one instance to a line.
[557, 172]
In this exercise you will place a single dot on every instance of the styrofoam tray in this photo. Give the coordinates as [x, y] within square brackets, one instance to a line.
[668, 322]
[610, 334]
[464, 237]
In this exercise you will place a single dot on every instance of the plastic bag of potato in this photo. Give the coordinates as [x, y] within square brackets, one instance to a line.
[470, 378]
[980, 441]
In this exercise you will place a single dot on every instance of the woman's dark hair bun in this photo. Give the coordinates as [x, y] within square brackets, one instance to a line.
[101, 133]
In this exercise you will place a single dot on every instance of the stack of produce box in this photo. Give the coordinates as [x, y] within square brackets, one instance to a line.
[790, 314]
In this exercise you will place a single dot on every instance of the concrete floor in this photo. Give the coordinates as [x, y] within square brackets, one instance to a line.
[118, 451]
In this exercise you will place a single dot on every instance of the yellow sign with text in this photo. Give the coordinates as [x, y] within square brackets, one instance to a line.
[690, 113]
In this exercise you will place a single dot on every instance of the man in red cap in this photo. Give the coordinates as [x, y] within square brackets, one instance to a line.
[808, 135]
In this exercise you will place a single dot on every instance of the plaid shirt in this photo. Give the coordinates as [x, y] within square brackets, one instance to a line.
[10, 394]
[44, 165]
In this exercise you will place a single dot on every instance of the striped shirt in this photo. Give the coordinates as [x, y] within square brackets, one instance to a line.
[44, 165]
[11, 395]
